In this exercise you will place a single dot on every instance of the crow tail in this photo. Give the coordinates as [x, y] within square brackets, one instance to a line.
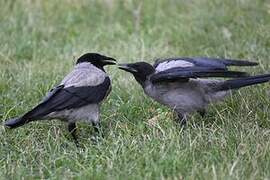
[16, 122]
[230, 62]
[242, 82]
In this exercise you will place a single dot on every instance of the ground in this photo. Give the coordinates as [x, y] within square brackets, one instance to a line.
[40, 41]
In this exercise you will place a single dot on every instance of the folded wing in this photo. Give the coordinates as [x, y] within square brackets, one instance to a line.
[62, 98]
[184, 74]
[183, 62]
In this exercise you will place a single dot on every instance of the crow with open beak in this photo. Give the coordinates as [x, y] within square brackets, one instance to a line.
[183, 84]
[78, 97]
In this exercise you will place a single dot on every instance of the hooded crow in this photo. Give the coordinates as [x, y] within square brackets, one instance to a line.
[182, 84]
[78, 97]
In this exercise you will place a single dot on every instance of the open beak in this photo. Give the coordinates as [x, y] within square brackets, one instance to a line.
[109, 61]
[127, 67]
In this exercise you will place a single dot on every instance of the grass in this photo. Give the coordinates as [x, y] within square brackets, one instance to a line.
[40, 41]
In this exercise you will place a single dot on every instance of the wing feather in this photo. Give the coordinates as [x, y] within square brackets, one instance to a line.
[183, 62]
[83, 86]
[184, 74]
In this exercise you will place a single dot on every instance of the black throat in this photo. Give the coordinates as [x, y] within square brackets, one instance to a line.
[141, 79]
[101, 67]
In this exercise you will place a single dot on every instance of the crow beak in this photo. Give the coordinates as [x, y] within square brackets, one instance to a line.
[109, 61]
[127, 67]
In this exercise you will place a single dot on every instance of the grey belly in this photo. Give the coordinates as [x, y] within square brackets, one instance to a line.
[184, 97]
[183, 100]
[89, 113]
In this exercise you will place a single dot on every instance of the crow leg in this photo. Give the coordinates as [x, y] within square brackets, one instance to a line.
[202, 112]
[97, 127]
[182, 119]
[98, 132]
[72, 131]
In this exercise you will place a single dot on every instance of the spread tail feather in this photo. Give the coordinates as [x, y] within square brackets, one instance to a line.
[242, 82]
[15, 122]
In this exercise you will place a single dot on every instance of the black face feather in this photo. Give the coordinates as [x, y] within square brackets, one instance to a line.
[96, 59]
[140, 70]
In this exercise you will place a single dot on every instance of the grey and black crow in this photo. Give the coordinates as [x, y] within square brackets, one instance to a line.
[182, 84]
[77, 98]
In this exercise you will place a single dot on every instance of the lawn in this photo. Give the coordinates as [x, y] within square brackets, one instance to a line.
[39, 43]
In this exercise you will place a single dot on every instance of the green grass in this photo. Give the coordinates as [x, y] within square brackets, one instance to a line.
[39, 41]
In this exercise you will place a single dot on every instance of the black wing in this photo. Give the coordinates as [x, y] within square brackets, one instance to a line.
[184, 74]
[62, 98]
[206, 62]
